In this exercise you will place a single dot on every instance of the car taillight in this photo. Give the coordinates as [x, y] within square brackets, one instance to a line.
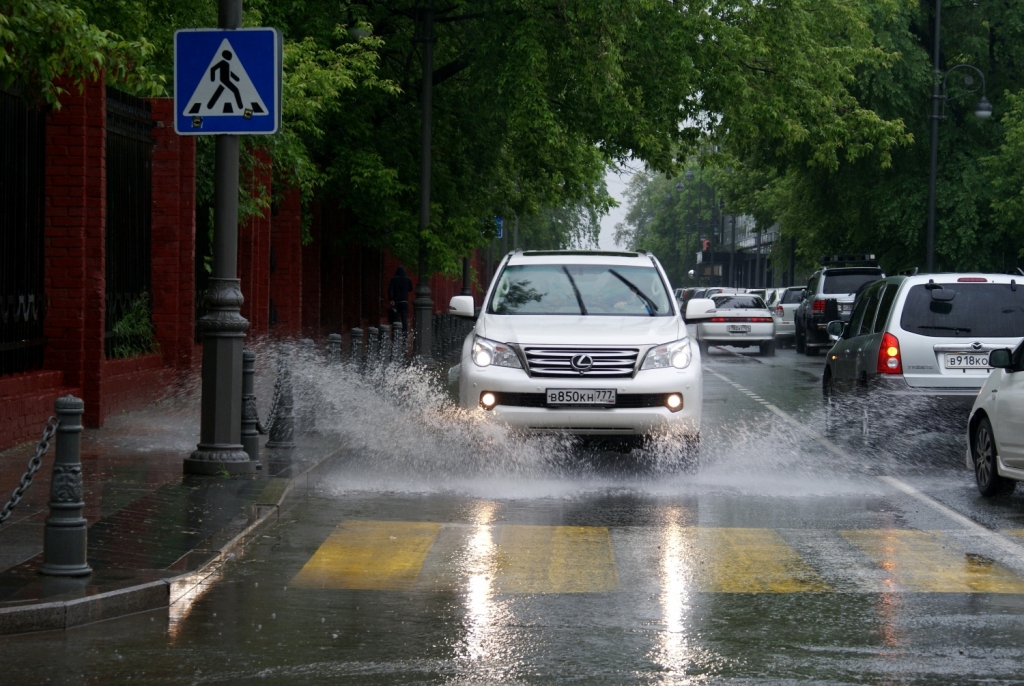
[972, 279]
[818, 307]
[761, 320]
[718, 320]
[780, 312]
[889, 361]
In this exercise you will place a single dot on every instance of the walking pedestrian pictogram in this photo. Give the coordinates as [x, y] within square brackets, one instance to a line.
[232, 79]
[227, 90]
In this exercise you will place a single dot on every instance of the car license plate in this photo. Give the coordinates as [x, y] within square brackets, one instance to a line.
[738, 328]
[580, 396]
[845, 307]
[966, 361]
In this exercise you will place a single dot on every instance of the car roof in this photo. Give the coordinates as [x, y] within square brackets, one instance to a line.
[580, 257]
[954, 277]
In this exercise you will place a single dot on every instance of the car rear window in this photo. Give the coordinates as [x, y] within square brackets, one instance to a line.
[978, 310]
[848, 282]
[792, 296]
[738, 302]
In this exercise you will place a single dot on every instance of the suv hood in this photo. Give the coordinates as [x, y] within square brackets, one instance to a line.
[580, 330]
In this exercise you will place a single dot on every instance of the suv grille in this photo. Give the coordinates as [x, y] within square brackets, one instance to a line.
[557, 362]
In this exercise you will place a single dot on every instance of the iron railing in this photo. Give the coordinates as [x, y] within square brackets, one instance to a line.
[129, 202]
[22, 186]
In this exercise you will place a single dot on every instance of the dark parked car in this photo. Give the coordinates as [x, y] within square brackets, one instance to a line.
[829, 296]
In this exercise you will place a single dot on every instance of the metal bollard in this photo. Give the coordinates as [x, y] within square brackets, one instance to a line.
[250, 415]
[385, 344]
[282, 430]
[307, 391]
[334, 348]
[372, 347]
[65, 535]
[356, 351]
[401, 342]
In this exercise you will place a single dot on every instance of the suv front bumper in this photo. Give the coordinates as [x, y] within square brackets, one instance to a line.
[526, 409]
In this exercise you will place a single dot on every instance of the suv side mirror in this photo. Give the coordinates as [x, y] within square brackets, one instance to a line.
[836, 329]
[699, 308]
[1000, 359]
[462, 306]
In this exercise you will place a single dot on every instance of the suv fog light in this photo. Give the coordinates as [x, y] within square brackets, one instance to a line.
[674, 402]
[488, 400]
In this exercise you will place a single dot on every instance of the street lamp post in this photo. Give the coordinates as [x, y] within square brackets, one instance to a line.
[423, 306]
[983, 110]
[689, 188]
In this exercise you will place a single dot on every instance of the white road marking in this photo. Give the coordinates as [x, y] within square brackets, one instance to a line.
[993, 537]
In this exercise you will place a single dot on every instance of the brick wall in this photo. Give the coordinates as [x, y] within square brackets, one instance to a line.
[311, 256]
[254, 255]
[286, 266]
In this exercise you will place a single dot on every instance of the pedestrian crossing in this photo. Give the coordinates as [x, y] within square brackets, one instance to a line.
[514, 559]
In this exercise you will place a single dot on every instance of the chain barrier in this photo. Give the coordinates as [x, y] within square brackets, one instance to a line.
[33, 466]
[261, 428]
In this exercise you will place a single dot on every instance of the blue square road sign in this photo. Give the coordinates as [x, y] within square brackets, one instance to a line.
[227, 81]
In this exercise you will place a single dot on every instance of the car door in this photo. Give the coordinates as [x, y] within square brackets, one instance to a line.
[1008, 424]
[858, 333]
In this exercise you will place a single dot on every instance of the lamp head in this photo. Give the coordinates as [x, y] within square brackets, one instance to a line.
[983, 110]
[689, 175]
[680, 187]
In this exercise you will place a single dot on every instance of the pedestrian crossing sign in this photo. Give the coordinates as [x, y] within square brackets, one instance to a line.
[227, 81]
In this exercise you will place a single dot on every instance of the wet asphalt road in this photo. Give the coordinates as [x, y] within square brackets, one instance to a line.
[793, 554]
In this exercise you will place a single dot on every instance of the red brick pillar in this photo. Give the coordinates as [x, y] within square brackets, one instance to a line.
[173, 237]
[75, 281]
[311, 279]
[254, 253]
[286, 277]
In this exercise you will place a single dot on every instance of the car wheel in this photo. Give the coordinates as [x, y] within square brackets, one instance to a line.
[983, 449]
[830, 399]
[799, 341]
[767, 349]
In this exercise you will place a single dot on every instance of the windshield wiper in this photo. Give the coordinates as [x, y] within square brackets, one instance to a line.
[648, 303]
[954, 329]
[579, 298]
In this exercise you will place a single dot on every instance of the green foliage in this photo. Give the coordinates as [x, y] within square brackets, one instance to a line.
[134, 333]
[44, 40]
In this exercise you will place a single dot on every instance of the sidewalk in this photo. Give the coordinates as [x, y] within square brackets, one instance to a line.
[154, 534]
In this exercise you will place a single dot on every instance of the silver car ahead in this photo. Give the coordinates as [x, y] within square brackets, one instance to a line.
[925, 338]
[784, 311]
[739, 320]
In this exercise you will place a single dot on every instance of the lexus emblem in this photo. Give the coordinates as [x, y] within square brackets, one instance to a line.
[582, 363]
[976, 345]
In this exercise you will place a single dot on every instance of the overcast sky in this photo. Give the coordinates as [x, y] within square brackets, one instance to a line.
[616, 183]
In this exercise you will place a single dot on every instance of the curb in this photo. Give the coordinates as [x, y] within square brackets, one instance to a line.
[180, 590]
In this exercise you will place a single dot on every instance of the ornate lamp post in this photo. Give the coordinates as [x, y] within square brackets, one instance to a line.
[983, 110]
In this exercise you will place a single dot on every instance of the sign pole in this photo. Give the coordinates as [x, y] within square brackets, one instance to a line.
[220, 435]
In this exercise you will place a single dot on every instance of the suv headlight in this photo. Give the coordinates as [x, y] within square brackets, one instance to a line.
[676, 354]
[487, 352]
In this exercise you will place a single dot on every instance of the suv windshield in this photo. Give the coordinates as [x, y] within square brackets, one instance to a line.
[587, 289]
[848, 282]
[792, 296]
[738, 302]
[978, 310]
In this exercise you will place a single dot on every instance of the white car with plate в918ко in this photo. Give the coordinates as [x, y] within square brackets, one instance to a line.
[582, 342]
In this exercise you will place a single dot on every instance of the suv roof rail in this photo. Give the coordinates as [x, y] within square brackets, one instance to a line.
[849, 260]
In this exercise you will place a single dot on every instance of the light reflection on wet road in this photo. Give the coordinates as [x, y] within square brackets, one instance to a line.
[786, 557]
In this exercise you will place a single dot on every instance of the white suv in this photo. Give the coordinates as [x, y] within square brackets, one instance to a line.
[581, 342]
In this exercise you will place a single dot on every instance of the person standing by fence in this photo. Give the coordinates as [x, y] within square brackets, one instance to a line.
[398, 295]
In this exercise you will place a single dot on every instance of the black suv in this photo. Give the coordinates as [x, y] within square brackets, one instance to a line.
[829, 296]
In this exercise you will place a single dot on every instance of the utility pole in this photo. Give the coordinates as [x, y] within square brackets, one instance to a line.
[933, 168]
[423, 306]
[220, 433]
[732, 253]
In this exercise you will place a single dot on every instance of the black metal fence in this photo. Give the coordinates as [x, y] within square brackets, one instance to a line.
[22, 193]
[129, 201]
[448, 333]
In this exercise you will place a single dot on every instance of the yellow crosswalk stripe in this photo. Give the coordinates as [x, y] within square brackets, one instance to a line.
[929, 562]
[733, 560]
[555, 559]
[374, 555]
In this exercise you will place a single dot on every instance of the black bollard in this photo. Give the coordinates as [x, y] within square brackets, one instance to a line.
[372, 348]
[306, 389]
[282, 430]
[385, 344]
[65, 535]
[334, 348]
[401, 342]
[356, 351]
[250, 415]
